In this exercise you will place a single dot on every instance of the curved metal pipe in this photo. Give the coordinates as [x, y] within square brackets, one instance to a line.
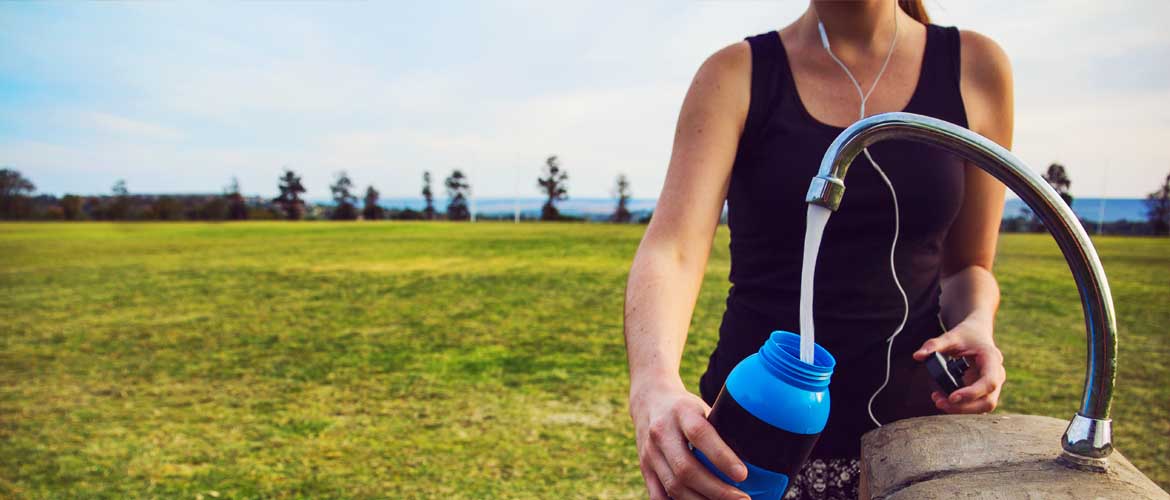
[1088, 440]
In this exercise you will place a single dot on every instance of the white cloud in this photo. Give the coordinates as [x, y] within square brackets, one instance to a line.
[127, 127]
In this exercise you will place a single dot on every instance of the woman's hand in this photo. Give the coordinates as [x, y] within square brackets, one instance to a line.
[667, 417]
[971, 339]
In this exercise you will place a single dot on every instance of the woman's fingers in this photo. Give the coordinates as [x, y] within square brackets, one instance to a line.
[980, 389]
[653, 485]
[944, 343]
[672, 484]
[692, 473]
[981, 396]
[991, 375]
[670, 466]
[702, 434]
[983, 405]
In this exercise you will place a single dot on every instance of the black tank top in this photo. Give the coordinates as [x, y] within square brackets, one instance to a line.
[857, 305]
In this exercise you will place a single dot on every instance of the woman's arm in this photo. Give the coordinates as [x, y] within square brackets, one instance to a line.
[664, 284]
[970, 294]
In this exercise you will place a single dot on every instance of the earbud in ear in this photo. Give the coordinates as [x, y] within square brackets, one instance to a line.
[824, 36]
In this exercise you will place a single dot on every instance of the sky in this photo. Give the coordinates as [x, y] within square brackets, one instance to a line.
[182, 96]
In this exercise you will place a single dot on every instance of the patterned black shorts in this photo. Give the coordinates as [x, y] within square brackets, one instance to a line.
[830, 479]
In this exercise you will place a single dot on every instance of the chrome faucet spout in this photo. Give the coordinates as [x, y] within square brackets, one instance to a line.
[1087, 441]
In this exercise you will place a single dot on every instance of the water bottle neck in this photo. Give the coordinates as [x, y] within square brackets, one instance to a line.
[781, 355]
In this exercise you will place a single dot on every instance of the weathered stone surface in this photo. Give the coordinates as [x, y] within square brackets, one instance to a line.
[986, 456]
[1047, 480]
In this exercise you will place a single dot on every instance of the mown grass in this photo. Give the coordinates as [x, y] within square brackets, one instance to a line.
[401, 360]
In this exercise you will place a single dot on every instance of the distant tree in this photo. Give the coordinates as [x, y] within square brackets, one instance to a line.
[93, 207]
[71, 207]
[555, 186]
[120, 206]
[343, 196]
[405, 214]
[1029, 221]
[370, 208]
[458, 190]
[266, 211]
[237, 207]
[622, 193]
[290, 201]
[428, 196]
[1158, 208]
[15, 190]
[52, 211]
[166, 208]
[1057, 177]
[212, 208]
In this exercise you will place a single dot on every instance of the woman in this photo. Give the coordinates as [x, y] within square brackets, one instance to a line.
[753, 127]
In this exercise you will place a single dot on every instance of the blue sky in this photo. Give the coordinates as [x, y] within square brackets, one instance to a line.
[179, 97]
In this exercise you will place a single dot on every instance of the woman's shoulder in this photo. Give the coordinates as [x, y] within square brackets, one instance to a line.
[732, 60]
[985, 66]
[986, 86]
[725, 77]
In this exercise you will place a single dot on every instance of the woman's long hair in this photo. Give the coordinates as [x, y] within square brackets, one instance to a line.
[915, 9]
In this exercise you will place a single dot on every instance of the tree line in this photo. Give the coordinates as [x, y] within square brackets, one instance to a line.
[18, 201]
[553, 183]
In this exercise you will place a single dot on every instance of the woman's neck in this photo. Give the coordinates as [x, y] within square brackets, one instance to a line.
[861, 26]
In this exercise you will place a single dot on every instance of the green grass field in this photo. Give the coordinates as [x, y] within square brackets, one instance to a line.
[400, 360]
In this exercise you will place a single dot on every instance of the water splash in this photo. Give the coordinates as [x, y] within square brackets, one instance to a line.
[818, 217]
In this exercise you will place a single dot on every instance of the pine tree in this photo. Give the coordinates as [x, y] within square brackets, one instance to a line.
[237, 207]
[1158, 208]
[120, 207]
[290, 195]
[555, 186]
[429, 196]
[343, 197]
[458, 190]
[622, 193]
[370, 208]
[15, 190]
[1057, 177]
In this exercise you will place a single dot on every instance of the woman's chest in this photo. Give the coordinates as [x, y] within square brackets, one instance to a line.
[772, 175]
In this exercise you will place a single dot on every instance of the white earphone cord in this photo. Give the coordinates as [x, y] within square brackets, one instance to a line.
[893, 195]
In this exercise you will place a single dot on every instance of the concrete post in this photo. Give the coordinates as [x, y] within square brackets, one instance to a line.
[988, 457]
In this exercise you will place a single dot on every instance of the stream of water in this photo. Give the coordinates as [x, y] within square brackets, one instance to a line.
[818, 217]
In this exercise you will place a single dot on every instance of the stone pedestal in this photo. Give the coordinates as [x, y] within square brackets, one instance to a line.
[988, 457]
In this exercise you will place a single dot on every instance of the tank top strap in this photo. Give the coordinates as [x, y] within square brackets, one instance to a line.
[941, 74]
[769, 81]
[947, 58]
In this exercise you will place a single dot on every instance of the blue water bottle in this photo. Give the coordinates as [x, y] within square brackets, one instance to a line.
[771, 411]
